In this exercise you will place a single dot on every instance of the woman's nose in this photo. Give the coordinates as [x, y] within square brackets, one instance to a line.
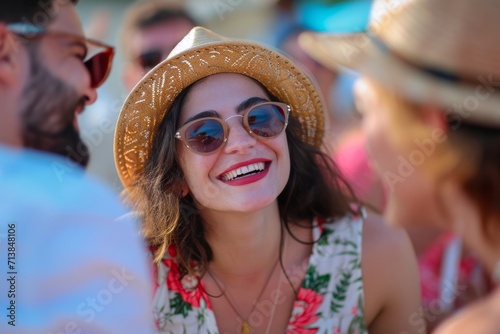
[239, 140]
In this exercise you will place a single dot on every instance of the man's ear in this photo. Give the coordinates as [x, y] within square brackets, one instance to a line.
[9, 56]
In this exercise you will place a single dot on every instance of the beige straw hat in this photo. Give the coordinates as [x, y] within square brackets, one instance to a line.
[441, 51]
[202, 53]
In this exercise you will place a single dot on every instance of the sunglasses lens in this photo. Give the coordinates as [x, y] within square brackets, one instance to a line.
[150, 59]
[98, 67]
[205, 136]
[267, 120]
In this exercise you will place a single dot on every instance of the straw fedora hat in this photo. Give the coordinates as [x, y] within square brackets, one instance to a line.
[440, 51]
[202, 53]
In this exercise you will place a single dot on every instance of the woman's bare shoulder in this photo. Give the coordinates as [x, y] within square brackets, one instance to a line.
[387, 251]
[379, 237]
[390, 279]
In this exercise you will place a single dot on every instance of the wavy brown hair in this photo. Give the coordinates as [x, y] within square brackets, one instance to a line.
[315, 188]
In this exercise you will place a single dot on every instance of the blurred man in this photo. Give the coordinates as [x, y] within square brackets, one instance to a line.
[66, 265]
[151, 29]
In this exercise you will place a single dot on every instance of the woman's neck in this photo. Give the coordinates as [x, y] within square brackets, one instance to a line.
[243, 244]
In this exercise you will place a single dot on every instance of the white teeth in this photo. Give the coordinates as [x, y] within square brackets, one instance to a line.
[238, 172]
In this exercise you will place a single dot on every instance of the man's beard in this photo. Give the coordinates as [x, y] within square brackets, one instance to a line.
[48, 112]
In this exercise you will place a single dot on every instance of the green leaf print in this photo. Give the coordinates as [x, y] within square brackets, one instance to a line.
[339, 295]
[357, 324]
[352, 253]
[345, 243]
[356, 262]
[361, 306]
[200, 319]
[179, 306]
[315, 282]
[359, 282]
[323, 240]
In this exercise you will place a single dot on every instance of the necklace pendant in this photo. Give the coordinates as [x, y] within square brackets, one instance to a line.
[245, 328]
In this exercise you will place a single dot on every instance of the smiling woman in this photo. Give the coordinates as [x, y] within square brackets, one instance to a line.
[220, 151]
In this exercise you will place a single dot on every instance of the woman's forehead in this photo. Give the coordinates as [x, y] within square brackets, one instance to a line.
[223, 91]
[225, 80]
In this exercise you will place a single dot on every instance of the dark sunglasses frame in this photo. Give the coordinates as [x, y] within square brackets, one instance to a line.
[149, 59]
[92, 61]
[181, 132]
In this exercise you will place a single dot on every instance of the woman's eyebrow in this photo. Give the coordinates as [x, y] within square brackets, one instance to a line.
[241, 107]
[250, 103]
[203, 114]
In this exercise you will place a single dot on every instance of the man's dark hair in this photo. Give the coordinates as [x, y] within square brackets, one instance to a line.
[147, 13]
[163, 15]
[39, 12]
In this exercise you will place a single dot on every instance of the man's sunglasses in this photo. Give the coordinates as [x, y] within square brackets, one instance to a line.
[209, 134]
[98, 58]
[149, 59]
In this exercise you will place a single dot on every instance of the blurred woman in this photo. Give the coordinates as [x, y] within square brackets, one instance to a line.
[431, 112]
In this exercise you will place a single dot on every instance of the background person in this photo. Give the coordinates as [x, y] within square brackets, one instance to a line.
[344, 138]
[250, 220]
[67, 265]
[147, 31]
[150, 30]
[439, 110]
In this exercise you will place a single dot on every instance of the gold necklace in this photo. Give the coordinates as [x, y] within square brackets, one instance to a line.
[275, 301]
[245, 327]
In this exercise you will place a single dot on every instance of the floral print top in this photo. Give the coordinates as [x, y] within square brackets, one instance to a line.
[330, 299]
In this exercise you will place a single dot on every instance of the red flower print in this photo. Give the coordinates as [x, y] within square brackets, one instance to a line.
[189, 286]
[172, 251]
[321, 223]
[354, 310]
[304, 312]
